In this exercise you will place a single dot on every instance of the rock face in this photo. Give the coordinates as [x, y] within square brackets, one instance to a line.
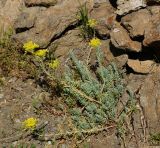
[136, 26]
[51, 23]
[126, 6]
[148, 118]
[120, 39]
[67, 43]
[27, 18]
[8, 13]
[150, 100]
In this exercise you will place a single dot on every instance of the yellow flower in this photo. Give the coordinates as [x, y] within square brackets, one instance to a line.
[95, 42]
[41, 53]
[92, 23]
[30, 123]
[54, 64]
[30, 46]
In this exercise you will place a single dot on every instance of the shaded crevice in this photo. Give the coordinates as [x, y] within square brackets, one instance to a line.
[116, 51]
[61, 34]
[138, 38]
[146, 54]
[20, 30]
[152, 3]
[102, 36]
[118, 18]
[129, 70]
[72, 27]
[40, 5]
[113, 3]
[142, 56]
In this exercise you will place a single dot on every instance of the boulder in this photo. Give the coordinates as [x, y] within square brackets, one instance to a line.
[52, 22]
[27, 18]
[120, 39]
[136, 26]
[8, 14]
[143, 67]
[126, 6]
[102, 12]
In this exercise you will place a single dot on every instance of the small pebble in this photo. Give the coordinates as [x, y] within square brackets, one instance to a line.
[1, 96]
[49, 142]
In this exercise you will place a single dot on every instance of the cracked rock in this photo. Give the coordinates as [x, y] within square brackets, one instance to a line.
[52, 23]
[102, 13]
[40, 2]
[152, 32]
[126, 6]
[27, 18]
[150, 100]
[120, 39]
[136, 26]
[9, 13]
[143, 67]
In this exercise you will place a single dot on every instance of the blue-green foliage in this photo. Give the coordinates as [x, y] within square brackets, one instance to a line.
[105, 87]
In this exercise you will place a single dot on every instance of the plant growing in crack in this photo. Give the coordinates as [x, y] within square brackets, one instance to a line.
[87, 24]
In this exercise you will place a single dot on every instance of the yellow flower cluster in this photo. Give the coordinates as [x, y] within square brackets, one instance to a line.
[30, 46]
[41, 53]
[30, 123]
[54, 64]
[95, 42]
[92, 23]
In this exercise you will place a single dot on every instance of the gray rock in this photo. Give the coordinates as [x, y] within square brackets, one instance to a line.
[126, 6]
